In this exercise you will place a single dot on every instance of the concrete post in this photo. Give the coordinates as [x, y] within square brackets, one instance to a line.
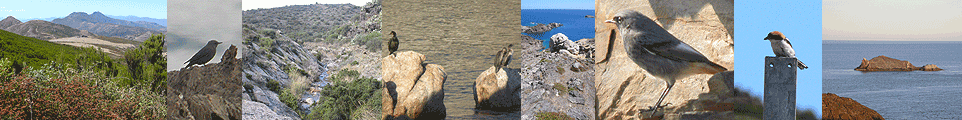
[780, 75]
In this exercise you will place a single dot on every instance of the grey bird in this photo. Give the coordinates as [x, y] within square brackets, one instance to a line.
[392, 44]
[660, 53]
[204, 55]
[783, 48]
[504, 57]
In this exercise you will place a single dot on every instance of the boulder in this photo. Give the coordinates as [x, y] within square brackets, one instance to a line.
[413, 90]
[883, 63]
[561, 44]
[206, 92]
[624, 88]
[497, 89]
[843, 108]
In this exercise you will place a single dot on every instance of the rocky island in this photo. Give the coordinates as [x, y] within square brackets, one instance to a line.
[883, 63]
[540, 28]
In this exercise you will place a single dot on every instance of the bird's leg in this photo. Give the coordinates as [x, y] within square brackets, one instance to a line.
[658, 104]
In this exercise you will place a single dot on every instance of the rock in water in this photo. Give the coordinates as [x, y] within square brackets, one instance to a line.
[412, 89]
[883, 63]
[497, 89]
[206, 92]
[843, 108]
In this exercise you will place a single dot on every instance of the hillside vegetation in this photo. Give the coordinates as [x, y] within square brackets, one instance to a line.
[45, 80]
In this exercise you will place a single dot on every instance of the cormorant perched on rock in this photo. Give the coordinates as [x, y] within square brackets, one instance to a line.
[204, 55]
[504, 57]
[392, 44]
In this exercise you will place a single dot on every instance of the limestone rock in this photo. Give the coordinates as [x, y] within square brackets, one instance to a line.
[413, 90]
[555, 82]
[843, 108]
[624, 88]
[206, 92]
[883, 63]
[497, 89]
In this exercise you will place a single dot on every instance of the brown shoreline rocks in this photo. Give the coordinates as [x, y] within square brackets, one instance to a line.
[843, 108]
[883, 63]
[413, 90]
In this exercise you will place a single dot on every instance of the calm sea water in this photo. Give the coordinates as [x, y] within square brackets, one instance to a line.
[897, 95]
[574, 23]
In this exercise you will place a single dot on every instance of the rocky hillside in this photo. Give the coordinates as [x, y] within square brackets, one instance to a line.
[100, 24]
[320, 22]
[556, 84]
[43, 30]
[281, 63]
[9, 21]
[206, 92]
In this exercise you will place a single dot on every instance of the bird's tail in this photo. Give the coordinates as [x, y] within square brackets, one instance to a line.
[801, 66]
[708, 68]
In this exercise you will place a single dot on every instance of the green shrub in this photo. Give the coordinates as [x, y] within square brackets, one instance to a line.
[343, 99]
[288, 98]
[552, 116]
[266, 43]
[146, 64]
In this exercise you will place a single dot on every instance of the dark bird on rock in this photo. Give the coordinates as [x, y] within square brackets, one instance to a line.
[504, 57]
[204, 55]
[659, 52]
[783, 48]
[392, 44]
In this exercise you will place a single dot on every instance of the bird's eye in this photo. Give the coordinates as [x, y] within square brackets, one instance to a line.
[617, 18]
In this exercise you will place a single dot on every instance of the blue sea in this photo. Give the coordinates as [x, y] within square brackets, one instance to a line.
[915, 95]
[574, 24]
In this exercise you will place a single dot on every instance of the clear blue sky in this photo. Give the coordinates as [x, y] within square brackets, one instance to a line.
[558, 4]
[27, 9]
[801, 22]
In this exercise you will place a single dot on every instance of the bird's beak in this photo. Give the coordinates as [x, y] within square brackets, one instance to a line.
[609, 21]
[219, 42]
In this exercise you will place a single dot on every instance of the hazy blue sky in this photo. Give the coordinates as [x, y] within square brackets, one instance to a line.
[800, 21]
[558, 4]
[254, 4]
[903, 20]
[27, 9]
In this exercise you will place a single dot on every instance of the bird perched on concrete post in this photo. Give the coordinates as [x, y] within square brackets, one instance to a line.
[660, 53]
[783, 48]
[504, 57]
[204, 55]
[392, 44]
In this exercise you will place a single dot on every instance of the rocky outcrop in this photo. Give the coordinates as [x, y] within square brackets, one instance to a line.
[413, 89]
[555, 82]
[274, 60]
[9, 21]
[883, 63]
[581, 49]
[497, 89]
[624, 88]
[843, 108]
[540, 28]
[206, 92]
